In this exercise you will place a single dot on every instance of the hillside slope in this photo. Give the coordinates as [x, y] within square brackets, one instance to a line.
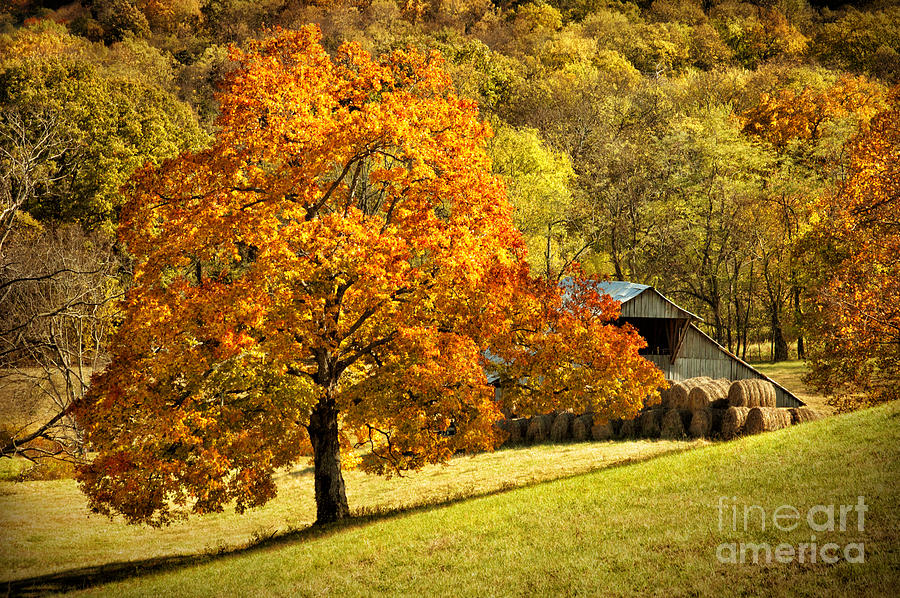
[651, 528]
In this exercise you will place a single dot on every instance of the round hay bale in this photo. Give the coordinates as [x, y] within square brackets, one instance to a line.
[766, 419]
[616, 425]
[581, 427]
[701, 424]
[752, 392]
[628, 429]
[517, 428]
[733, 422]
[706, 423]
[801, 415]
[539, 428]
[674, 423]
[561, 430]
[704, 395]
[678, 393]
[650, 422]
[602, 431]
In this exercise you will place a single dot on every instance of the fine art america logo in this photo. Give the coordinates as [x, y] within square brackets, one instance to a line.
[820, 519]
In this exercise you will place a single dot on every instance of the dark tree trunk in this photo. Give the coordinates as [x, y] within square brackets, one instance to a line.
[779, 344]
[798, 316]
[331, 496]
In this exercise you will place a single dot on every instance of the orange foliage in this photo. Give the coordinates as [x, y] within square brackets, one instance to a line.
[859, 302]
[166, 14]
[790, 115]
[335, 266]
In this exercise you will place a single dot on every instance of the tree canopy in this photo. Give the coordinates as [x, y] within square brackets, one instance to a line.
[689, 145]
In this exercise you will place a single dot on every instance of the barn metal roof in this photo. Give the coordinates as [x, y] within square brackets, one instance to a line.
[621, 290]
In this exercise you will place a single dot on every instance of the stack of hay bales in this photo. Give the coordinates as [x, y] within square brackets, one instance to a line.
[684, 398]
[801, 415]
[752, 409]
[628, 429]
[753, 392]
[603, 431]
[516, 429]
[539, 428]
[689, 397]
[698, 407]
[581, 427]
[677, 395]
[561, 430]
[706, 423]
[766, 419]
[708, 394]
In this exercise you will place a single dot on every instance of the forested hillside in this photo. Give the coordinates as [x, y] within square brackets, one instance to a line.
[741, 157]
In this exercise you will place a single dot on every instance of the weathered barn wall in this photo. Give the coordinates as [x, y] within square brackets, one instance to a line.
[651, 304]
[697, 355]
[702, 356]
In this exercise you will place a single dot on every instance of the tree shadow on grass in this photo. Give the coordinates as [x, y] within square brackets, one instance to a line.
[88, 577]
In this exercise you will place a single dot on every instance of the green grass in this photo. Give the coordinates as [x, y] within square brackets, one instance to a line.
[644, 529]
[45, 526]
[12, 468]
[790, 375]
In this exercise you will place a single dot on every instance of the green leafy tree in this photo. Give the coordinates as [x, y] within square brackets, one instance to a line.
[112, 122]
[538, 180]
[863, 41]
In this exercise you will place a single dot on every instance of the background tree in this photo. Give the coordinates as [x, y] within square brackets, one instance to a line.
[538, 181]
[113, 120]
[329, 274]
[57, 298]
[865, 41]
[808, 129]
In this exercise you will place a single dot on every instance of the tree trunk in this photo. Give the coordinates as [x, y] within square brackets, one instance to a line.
[779, 344]
[331, 496]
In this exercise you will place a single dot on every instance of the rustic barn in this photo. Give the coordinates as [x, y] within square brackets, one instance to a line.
[676, 345]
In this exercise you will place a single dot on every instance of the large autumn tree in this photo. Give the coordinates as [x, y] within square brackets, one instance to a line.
[331, 274]
[857, 243]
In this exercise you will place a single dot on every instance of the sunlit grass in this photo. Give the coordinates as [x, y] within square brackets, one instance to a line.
[45, 526]
[10, 469]
[645, 529]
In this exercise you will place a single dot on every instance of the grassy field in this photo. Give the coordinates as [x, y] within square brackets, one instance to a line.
[790, 375]
[45, 526]
[650, 528]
